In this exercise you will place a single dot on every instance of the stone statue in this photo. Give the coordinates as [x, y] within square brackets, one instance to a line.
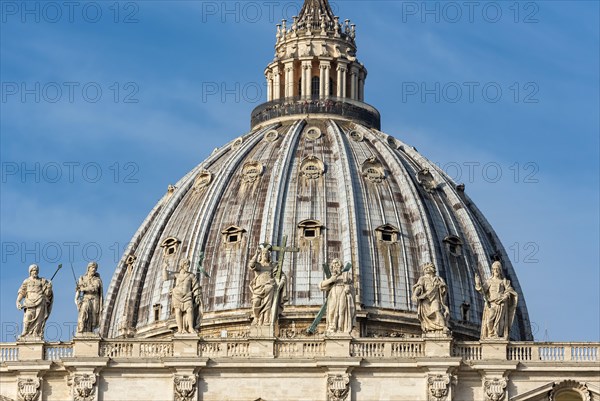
[430, 295]
[500, 304]
[89, 300]
[37, 296]
[341, 311]
[264, 286]
[186, 299]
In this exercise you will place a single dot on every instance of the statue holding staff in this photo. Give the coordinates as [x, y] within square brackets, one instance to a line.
[35, 297]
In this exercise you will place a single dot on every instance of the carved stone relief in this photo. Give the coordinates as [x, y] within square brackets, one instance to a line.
[251, 173]
[312, 168]
[425, 178]
[338, 387]
[185, 387]
[373, 170]
[83, 386]
[439, 387]
[29, 389]
[495, 389]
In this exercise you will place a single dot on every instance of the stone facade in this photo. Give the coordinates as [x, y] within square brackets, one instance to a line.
[308, 368]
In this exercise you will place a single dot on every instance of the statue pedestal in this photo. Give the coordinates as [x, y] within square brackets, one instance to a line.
[437, 345]
[261, 342]
[261, 332]
[338, 345]
[494, 349]
[30, 348]
[86, 345]
[185, 345]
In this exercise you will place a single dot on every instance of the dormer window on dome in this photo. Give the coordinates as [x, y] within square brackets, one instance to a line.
[310, 229]
[387, 234]
[233, 235]
[454, 245]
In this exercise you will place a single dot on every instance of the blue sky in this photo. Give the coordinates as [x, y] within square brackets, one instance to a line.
[104, 105]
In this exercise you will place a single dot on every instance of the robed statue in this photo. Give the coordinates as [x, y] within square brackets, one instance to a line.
[341, 312]
[35, 297]
[268, 291]
[89, 300]
[186, 298]
[500, 304]
[430, 295]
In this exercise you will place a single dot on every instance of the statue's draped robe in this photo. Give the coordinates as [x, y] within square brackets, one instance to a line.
[38, 297]
[430, 294]
[500, 307]
[90, 304]
[263, 288]
[340, 303]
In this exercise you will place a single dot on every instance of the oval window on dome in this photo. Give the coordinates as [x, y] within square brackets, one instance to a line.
[170, 246]
[356, 136]
[272, 136]
[313, 133]
[237, 143]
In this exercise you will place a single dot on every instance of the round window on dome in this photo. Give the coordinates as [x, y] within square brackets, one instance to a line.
[313, 133]
[272, 136]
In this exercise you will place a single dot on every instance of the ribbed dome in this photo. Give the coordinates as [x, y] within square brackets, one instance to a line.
[336, 189]
[314, 170]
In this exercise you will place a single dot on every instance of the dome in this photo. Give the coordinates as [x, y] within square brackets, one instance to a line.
[316, 173]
